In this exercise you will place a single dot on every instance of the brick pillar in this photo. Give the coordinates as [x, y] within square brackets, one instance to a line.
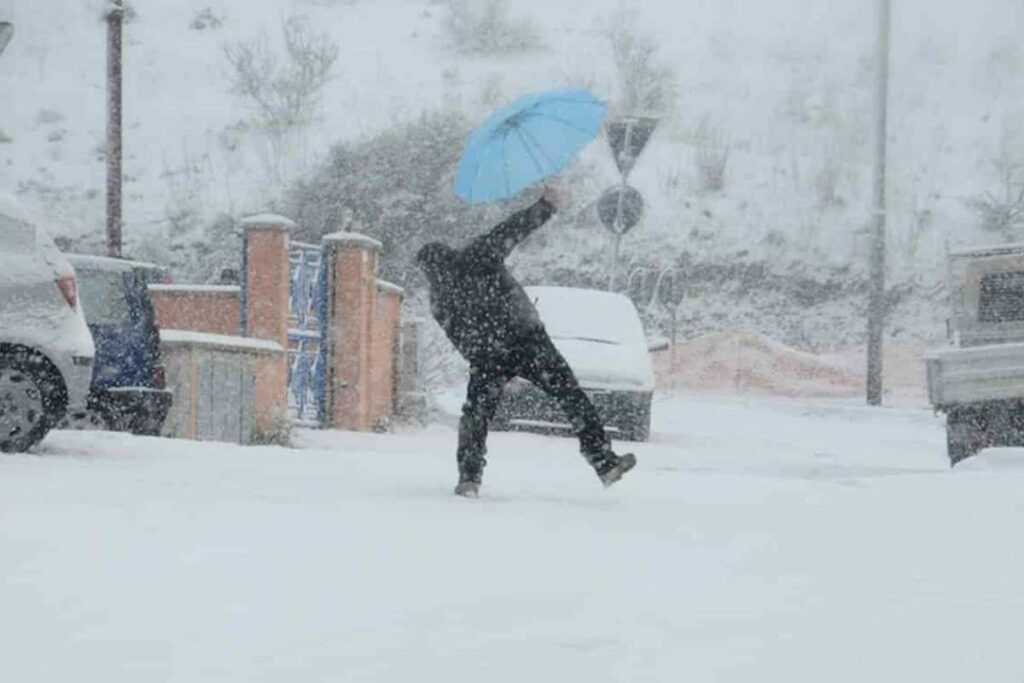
[384, 365]
[267, 281]
[411, 399]
[352, 296]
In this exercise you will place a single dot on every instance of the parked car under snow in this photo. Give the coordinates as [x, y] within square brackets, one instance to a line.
[46, 352]
[602, 338]
[128, 389]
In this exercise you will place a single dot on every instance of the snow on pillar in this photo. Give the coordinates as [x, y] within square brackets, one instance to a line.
[265, 312]
[352, 296]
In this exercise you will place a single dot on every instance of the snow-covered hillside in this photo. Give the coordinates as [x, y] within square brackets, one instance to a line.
[785, 86]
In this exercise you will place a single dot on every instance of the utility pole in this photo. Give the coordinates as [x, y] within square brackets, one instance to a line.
[115, 20]
[876, 302]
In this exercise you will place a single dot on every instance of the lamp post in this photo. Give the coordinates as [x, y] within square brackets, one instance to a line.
[115, 20]
[621, 206]
[876, 301]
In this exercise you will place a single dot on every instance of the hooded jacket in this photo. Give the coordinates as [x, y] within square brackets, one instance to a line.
[481, 307]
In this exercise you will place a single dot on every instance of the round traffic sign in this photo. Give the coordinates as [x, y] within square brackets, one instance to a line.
[620, 208]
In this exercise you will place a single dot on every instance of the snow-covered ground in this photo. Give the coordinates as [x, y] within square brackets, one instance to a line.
[757, 540]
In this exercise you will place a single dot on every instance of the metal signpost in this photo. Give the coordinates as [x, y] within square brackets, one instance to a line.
[621, 207]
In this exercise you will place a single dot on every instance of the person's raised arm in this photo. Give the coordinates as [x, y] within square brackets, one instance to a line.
[497, 244]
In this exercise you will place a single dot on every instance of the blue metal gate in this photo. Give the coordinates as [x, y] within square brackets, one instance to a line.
[307, 317]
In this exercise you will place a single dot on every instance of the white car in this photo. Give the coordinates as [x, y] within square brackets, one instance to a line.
[46, 351]
[601, 337]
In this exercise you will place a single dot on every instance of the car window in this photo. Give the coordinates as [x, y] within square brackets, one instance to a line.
[104, 297]
[16, 236]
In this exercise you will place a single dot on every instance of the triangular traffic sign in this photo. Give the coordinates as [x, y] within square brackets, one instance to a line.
[627, 136]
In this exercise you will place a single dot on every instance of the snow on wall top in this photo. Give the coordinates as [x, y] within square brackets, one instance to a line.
[391, 288]
[218, 341]
[268, 221]
[991, 250]
[204, 290]
[352, 239]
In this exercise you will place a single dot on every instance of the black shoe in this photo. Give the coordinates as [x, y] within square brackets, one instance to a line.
[617, 466]
[468, 489]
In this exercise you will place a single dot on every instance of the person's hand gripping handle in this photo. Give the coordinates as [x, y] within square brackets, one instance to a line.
[551, 196]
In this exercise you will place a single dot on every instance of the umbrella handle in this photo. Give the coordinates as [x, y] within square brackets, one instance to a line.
[551, 196]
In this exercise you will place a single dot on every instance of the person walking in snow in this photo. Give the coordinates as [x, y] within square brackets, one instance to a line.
[494, 325]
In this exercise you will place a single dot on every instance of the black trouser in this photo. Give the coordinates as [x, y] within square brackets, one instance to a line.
[536, 359]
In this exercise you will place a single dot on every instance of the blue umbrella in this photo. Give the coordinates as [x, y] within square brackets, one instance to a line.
[529, 140]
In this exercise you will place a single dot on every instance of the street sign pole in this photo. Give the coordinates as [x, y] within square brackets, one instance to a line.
[621, 207]
[617, 249]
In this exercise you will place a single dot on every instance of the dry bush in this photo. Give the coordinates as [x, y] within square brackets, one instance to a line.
[1001, 211]
[646, 85]
[485, 27]
[286, 90]
[712, 154]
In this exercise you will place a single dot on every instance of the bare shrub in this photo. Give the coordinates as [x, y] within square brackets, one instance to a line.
[485, 27]
[285, 90]
[646, 85]
[712, 154]
[1001, 211]
[206, 19]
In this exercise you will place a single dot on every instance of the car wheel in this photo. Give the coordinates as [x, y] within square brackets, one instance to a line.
[30, 400]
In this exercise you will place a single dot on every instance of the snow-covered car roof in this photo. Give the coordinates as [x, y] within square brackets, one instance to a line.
[11, 208]
[588, 314]
[90, 262]
[28, 252]
[600, 335]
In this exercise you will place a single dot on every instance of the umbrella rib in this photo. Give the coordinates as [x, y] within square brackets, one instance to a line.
[504, 157]
[527, 134]
[476, 177]
[564, 122]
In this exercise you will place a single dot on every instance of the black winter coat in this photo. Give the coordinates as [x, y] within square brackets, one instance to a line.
[481, 307]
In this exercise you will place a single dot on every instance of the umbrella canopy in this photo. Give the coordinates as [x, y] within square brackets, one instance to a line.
[529, 140]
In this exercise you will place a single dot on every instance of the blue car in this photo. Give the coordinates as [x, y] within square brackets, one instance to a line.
[128, 390]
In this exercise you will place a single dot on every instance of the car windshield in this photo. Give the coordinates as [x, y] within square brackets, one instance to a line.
[104, 297]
